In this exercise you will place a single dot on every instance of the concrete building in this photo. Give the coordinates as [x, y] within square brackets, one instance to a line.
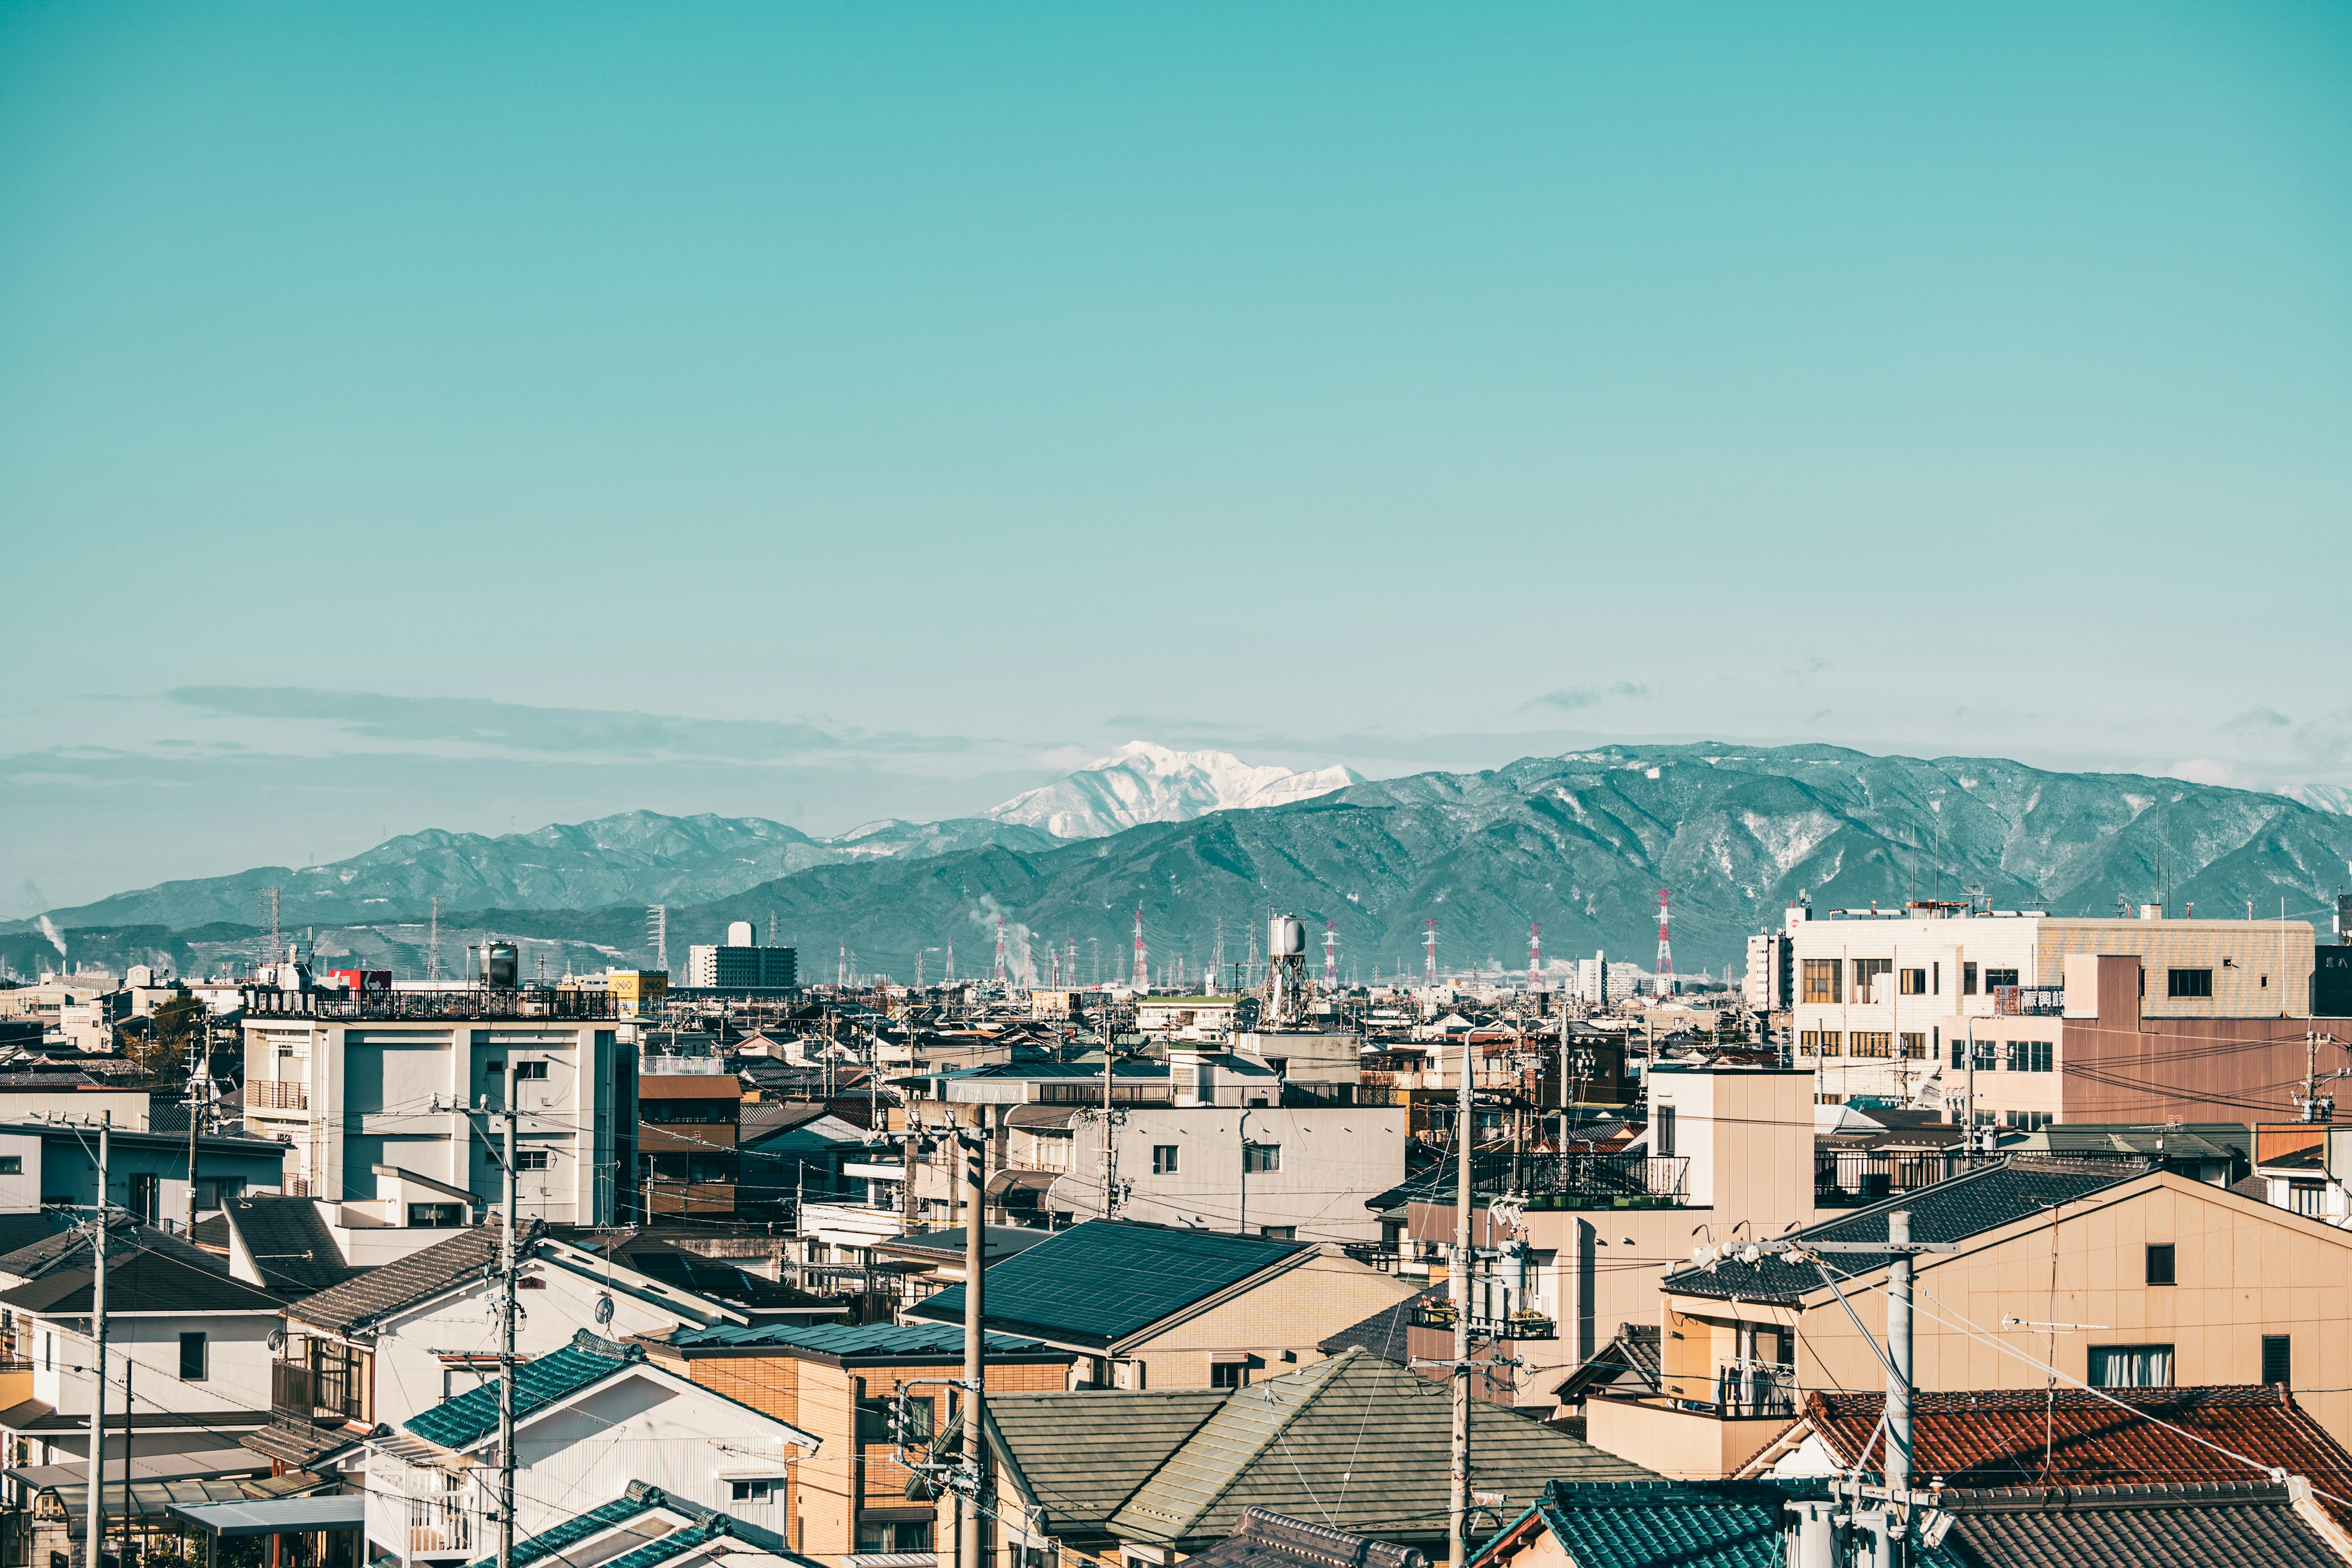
[688, 1124]
[378, 1096]
[741, 965]
[1879, 993]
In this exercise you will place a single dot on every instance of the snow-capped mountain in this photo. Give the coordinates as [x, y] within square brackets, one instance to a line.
[1143, 783]
[2334, 798]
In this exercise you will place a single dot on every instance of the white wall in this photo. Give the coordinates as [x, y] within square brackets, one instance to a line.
[1332, 1160]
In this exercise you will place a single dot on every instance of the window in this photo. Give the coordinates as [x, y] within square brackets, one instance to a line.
[437, 1216]
[1914, 1048]
[1822, 981]
[2278, 1358]
[2307, 1195]
[1819, 1042]
[1260, 1158]
[522, 1070]
[2131, 1366]
[1968, 979]
[1229, 1375]
[11, 1165]
[2026, 1120]
[1831, 1043]
[752, 1492]
[1163, 1159]
[531, 1160]
[2189, 983]
[191, 1358]
[912, 1535]
[686, 1112]
[1995, 979]
[710, 1167]
[1873, 1043]
[1865, 972]
[1915, 982]
[915, 1419]
[1662, 1136]
[2159, 1264]
[1987, 1055]
[874, 1420]
[1278, 1232]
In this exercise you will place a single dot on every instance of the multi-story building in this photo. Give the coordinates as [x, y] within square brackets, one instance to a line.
[689, 1114]
[382, 1094]
[741, 965]
[1880, 993]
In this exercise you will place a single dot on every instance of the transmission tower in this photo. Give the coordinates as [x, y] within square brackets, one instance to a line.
[996, 975]
[1535, 956]
[950, 975]
[276, 951]
[1142, 974]
[658, 934]
[433, 945]
[1070, 961]
[1217, 958]
[1331, 956]
[1666, 981]
[1094, 961]
[1429, 960]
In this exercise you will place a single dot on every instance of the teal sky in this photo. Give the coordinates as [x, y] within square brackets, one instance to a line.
[826, 413]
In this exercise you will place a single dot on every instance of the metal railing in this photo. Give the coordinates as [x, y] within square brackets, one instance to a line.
[479, 1002]
[1847, 1178]
[277, 1094]
[1744, 1387]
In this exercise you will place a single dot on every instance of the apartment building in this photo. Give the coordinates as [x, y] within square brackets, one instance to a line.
[689, 1113]
[385, 1087]
[1880, 993]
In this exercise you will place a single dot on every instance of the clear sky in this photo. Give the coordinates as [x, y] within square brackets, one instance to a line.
[452, 415]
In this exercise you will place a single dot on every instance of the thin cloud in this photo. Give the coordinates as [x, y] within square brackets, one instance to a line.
[2257, 718]
[1576, 698]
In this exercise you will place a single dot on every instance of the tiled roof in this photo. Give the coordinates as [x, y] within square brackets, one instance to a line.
[70, 1249]
[1632, 1356]
[713, 1277]
[1657, 1524]
[1103, 1280]
[705, 1524]
[844, 1340]
[386, 1289]
[1081, 1454]
[290, 1243]
[639, 1498]
[1995, 1437]
[465, 1420]
[1268, 1540]
[295, 1442]
[140, 1281]
[2133, 1527]
[1967, 1205]
[1383, 1333]
[1357, 1441]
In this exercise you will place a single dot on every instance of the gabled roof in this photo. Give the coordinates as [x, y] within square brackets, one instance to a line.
[1102, 1281]
[1660, 1524]
[1356, 1440]
[1631, 1358]
[542, 1381]
[1995, 1438]
[291, 1245]
[2136, 1527]
[703, 1525]
[1383, 1333]
[70, 1249]
[1957, 1210]
[850, 1340]
[389, 1287]
[140, 1281]
[1080, 1455]
[713, 1277]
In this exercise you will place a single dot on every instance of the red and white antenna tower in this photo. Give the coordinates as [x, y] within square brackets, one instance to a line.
[1665, 949]
[996, 976]
[1330, 957]
[1535, 956]
[1069, 967]
[1142, 976]
[1429, 963]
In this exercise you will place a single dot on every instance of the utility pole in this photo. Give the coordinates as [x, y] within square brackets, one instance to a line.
[1458, 1527]
[508, 1263]
[94, 1526]
[975, 1358]
[199, 1087]
[1898, 1347]
[906, 1189]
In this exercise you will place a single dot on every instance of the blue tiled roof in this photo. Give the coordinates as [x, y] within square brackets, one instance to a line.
[1100, 1281]
[458, 1423]
[639, 1498]
[853, 1340]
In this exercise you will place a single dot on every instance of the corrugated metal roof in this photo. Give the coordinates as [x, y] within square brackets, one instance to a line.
[1100, 1281]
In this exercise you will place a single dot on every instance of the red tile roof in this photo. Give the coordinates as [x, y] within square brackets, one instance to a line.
[1995, 1437]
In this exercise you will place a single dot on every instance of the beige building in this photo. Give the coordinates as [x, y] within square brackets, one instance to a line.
[1881, 994]
[2115, 1275]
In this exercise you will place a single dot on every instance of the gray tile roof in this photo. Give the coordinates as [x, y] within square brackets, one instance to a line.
[145, 1280]
[69, 1249]
[1268, 1540]
[1383, 1333]
[1965, 1206]
[1357, 1441]
[1101, 1281]
[846, 1340]
[2133, 1527]
[290, 1243]
[371, 1297]
[1082, 1454]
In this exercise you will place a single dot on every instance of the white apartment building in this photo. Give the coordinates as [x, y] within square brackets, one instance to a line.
[1879, 993]
[374, 1093]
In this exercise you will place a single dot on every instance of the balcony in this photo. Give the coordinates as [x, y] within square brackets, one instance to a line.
[1581, 1181]
[1745, 1388]
[1849, 1178]
[328, 1392]
[275, 1094]
[1517, 1326]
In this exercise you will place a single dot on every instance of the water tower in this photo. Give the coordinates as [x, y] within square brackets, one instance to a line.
[1285, 971]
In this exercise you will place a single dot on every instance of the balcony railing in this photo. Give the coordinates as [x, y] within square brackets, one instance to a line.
[329, 1390]
[479, 1002]
[1579, 1181]
[276, 1094]
[1848, 1178]
[1744, 1387]
[1523, 1325]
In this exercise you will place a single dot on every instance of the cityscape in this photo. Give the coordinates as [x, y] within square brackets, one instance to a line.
[1554, 788]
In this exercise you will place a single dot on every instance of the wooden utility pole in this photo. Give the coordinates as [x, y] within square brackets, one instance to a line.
[974, 1522]
[199, 1086]
[1458, 1529]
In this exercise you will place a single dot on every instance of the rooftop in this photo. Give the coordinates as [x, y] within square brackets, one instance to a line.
[143, 1280]
[389, 1287]
[472, 1415]
[844, 1342]
[1101, 1281]
[290, 1243]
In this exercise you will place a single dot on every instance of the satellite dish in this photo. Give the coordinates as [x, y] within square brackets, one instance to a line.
[604, 1309]
[276, 1341]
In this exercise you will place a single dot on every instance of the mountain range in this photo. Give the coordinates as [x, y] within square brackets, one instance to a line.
[1580, 844]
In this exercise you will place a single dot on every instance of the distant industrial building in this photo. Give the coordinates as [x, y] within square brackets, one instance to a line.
[740, 965]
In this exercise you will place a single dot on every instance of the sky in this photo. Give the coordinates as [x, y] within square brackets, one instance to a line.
[474, 416]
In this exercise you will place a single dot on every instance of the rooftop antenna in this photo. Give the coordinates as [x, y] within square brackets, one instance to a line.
[1665, 949]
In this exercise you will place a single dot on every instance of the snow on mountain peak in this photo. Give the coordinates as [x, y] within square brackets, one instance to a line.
[1144, 782]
